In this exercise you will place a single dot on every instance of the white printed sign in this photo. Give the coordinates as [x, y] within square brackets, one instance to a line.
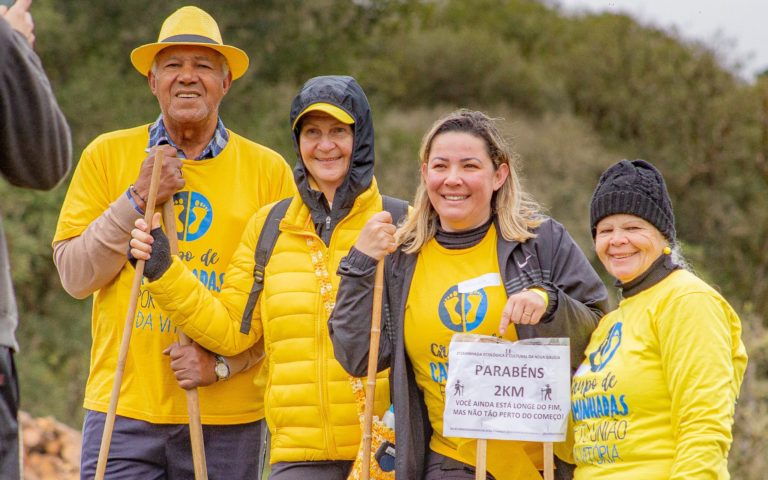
[504, 390]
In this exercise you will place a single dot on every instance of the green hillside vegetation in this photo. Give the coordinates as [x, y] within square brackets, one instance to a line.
[576, 94]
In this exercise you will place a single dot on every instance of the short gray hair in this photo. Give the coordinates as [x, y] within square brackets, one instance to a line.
[678, 258]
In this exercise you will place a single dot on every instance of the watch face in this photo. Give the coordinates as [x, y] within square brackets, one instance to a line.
[222, 371]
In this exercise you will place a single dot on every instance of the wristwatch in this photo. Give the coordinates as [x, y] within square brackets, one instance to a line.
[221, 368]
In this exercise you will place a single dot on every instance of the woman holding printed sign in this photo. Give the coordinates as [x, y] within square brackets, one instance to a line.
[655, 396]
[471, 224]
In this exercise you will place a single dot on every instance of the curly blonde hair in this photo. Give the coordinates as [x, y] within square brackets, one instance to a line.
[516, 211]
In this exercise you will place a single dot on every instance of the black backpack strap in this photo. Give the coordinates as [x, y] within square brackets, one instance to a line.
[396, 207]
[266, 243]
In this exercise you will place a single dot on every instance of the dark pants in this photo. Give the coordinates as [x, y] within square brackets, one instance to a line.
[330, 470]
[9, 411]
[439, 467]
[149, 451]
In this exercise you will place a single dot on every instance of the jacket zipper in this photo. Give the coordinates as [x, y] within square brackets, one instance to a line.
[322, 371]
[321, 336]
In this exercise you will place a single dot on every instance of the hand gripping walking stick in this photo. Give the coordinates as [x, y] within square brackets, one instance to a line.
[193, 403]
[109, 423]
[373, 360]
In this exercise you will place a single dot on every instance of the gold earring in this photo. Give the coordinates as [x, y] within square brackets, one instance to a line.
[667, 250]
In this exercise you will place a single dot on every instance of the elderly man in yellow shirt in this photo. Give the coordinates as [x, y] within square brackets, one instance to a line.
[217, 180]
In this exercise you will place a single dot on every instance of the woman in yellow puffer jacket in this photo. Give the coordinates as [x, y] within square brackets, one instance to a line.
[309, 404]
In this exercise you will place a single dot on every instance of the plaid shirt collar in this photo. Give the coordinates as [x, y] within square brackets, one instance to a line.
[158, 134]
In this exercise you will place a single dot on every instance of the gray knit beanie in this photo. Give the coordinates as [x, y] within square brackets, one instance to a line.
[633, 187]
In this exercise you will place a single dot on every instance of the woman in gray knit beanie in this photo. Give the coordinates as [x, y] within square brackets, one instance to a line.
[655, 396]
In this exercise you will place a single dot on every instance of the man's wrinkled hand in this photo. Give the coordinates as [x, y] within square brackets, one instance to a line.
[192, 365]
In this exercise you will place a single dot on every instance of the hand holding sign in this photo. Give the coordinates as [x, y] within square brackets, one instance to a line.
[525, 308]
[507, 390]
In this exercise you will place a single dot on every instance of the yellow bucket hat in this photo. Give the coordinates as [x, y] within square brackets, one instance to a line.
[331, 110]
[190, 26]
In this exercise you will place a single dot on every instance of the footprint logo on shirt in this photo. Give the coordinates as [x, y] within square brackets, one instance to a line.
[605, 352]
[193, 213]
[463, 312]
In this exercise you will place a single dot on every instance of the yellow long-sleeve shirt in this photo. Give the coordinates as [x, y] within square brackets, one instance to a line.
[655, 397]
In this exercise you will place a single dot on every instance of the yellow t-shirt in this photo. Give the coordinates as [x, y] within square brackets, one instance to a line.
[655, 397]
[220, 195]
[445, 280]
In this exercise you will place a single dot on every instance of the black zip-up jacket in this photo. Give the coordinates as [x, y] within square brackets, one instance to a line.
[552, 260]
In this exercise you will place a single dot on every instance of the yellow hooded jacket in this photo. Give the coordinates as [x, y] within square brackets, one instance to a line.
[309, 405]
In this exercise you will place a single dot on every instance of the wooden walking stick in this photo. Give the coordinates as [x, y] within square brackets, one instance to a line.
[549, 462]
[373, 360]
[482, 443]
[193, 403]
[109, 423]
[482, 447]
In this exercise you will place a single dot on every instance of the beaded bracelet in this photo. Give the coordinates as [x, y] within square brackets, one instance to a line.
[132, 188]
